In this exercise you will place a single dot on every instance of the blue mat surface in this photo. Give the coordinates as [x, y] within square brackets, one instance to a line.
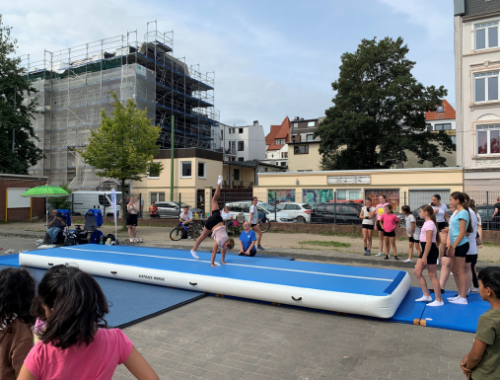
[10, 260]
[329, 277]
[132, 302]
[456, 317]
[410, 311]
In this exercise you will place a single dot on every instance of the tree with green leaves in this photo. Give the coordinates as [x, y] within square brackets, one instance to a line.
[17, 110]
[124, 145]
[379, 112]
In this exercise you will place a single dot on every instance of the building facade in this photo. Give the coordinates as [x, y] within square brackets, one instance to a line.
[477, 68]
[277, 144]
[303, 149]
[242, 143]
[74, 86]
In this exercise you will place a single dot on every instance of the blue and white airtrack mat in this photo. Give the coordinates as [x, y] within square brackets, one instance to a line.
[354, 290]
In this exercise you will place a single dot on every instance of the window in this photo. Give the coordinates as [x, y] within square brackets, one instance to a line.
[230, 130]
[486, 35]
[348, 195]
[185, 169]
[234, 130]
[311, 123]
[279, 141]
[154, 170]
[440, 109]
[292, 207]
[310, 137]
[277, 163]
[283, 164]
[295, 125]
[240, 130]
[265, 170]
[233, 147]
[241, 146]
[202, 170]
[236, 174]
[429, 127]
[280, 207]
[284, 154]
[486, 86]
[488, 137]
[240, 158]
[301, 149]
[103, 200]
[222, 135]
[454, 139]
[156, 197]
[443, 127]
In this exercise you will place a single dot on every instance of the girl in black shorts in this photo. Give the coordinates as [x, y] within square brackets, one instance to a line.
[429, 241]
[215, 226]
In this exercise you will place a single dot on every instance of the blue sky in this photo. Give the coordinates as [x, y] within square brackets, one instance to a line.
[271, 58]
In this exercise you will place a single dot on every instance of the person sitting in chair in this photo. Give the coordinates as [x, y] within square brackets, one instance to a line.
[247, 241]
[56, 223]
[153, 211]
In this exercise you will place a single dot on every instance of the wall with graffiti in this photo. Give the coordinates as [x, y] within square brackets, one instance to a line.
[313, 197]
[275, 197]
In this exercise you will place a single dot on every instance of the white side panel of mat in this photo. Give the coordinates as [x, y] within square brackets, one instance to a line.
[373, 306]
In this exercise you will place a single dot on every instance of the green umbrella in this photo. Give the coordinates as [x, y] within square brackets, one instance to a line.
[46, 191]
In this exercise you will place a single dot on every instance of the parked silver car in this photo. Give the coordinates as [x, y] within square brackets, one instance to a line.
[243, 207]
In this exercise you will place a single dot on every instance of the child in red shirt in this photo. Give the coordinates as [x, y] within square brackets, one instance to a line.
[389, 221]
[75, 343]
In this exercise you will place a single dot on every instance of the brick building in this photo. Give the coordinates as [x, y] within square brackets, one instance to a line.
[12, 206]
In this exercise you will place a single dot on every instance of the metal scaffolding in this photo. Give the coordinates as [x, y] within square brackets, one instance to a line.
[74, 87]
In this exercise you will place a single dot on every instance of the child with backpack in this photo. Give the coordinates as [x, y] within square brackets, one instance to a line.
[75, 342]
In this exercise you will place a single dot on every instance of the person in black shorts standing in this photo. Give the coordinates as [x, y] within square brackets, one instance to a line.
[215, 226]
[368, 215]
[132, 210]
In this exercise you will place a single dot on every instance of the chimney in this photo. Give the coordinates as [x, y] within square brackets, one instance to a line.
[296, 118]
[301, 119]
[255, 122]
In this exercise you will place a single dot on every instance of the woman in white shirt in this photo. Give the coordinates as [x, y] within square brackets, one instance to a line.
[254, 221]
[227, 216]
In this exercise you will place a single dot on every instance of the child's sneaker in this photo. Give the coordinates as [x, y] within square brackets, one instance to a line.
[407, 261]
[219, 181]
[379, 254]
[194, 254]
[387, 257]
[396, 258]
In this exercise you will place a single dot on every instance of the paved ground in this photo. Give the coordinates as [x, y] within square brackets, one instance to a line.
[217, 338]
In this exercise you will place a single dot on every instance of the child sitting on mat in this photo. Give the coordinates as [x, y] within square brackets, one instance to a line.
[215, 225]
[75, 342]
[483, 361]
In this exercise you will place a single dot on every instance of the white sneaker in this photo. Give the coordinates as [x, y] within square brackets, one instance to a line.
[460, 301]
[438, 264]
[407, 261]
[194, 254]
[131, 240]
[219, 181]
[436, 303]
[424, 299]
[379, 254]
[474, 290]
[453, 298]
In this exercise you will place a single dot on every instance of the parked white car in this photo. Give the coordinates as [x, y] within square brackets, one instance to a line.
[243, 207]
[300, 211]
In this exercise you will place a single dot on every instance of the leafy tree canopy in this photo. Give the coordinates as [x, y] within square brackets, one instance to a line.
[124, 146]
[62, 202]
[378, 112]
[17, 110]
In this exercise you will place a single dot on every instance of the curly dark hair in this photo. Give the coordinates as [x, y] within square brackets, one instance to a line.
[77, 305]
[17, 291]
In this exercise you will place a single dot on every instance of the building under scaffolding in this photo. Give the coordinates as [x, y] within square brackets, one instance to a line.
[74, 87]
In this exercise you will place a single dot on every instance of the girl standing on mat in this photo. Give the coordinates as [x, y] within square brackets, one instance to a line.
[412, 231]
[17, 291]
[215, 225]
[429, 241]
[445, 259]
[76, 343]
[459, 228]
[132, 210]
[389, 221]
[380, 208]
[442, 218]
[368, 215]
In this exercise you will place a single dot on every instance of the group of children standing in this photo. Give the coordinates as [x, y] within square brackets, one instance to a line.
[67, 319]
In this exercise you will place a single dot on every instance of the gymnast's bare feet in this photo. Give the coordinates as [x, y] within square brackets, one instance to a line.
[223, 262]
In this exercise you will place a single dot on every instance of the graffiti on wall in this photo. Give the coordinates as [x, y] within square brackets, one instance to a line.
[313, 197]
[275, 197]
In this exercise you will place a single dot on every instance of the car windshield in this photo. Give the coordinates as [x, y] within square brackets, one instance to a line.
[266, 206]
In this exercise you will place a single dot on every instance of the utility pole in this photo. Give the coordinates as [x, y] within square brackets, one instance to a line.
[14, 127]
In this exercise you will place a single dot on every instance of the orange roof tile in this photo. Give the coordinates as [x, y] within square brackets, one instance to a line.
[449, 113]
[278, 132]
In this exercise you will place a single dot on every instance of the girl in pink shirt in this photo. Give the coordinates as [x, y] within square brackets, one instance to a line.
[75, 342]
[389, 222]
[429, 240]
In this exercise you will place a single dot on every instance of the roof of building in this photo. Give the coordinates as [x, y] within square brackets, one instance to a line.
[278, 132]
[448, 114]
[476, 7]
